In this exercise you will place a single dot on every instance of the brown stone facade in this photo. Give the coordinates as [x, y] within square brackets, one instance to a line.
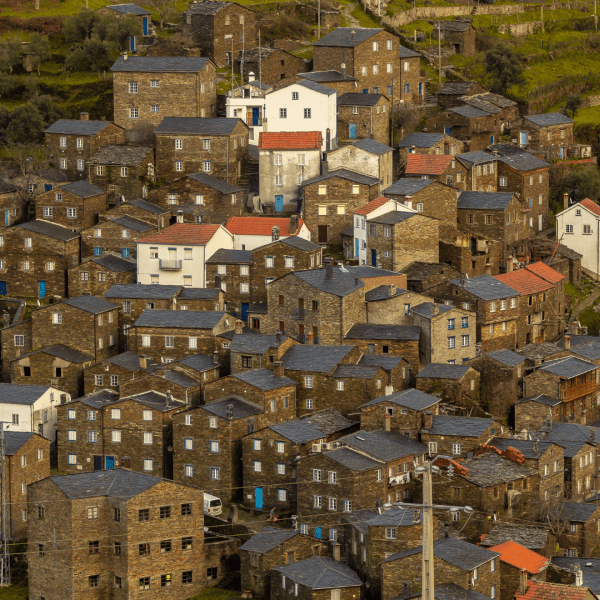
[479, 131]
[463, 392]
[402, 419]
[276, 64]
[461, 39]
[545, 141]
[140, 209]
[446, 145]
[116, 236]
[364, 121]
[93, 278]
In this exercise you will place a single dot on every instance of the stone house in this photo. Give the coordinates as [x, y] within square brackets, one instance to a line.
[287, 159]
[116, 235]
[270, 547]
[220, 29]
[421, 276]
[367, 157]
[122, 170]
[455, 384]
[35, 257]
[481, 171]
[496, 304]
[405, 409]
[443, 168]
[438, 324]
[148, 89]
[472, 254]
[389, 304]
[536, 537]
[255, 351]
[412, 84]
[74, 205]
[432, 198]
[452, 93]
[132, 432]
[459, 35]
[200, 299]
[370, 55]
[507, 110]
[581, 535]
[110, 373]
[70, 143]
[12, 205]
[547, 136]
[338, 80]
[139, 209]
[216, 146]
[531, 412]
[251, 232]
[364, 116]
[429, 143]
[231, 272]
[117, 529]
[97, 274]
[273, 64]
[530, 178]
[276, 448]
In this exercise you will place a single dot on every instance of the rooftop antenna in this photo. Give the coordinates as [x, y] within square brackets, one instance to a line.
[243, 55]
[259, 64]
[4, 525]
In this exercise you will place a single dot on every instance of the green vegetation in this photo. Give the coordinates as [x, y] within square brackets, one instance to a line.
[573, 291]
[504, 68]
[211, 593]
[363, 18]
[20, 591]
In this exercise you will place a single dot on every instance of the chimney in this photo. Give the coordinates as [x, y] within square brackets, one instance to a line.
[428, 419]
[6, 318]
[239, 327]
[143, 361]
[329, 268]
[125, 55]
[328, 139]
[488, 268]
[84, 116]
[294, 223]
[406, 586]
[229, 411]
[343, 68]
[579, 577]
[218, 282]
[509, 264]
[446, 529]
[28, 165]
[435, 310]
[278, 338]
[215, 358]
[265, 129]
[389, 390]
[387, 422]
[567, 342]
[335, 551]
[310, 339]
[392, 289]
[180, 216]
[565, 201]
[251, 77]
[523, 581]
[408, 201]
[278, 369]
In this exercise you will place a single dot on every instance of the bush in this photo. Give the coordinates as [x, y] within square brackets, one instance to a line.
[283, 26]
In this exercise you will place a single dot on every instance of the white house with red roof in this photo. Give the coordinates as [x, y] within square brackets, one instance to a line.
[578, 228]
[177, 255]
[286, 159]
[252, 232]
[375, 208]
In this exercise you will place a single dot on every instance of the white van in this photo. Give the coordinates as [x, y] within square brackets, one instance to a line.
[212, 505]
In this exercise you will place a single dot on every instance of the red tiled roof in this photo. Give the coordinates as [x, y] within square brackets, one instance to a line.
[524, 281]
[183, 233]
[516, 555]
[590, 205]
[288, 140]
[371, 206]
[545, 272]
[260, 226]
[427, 164]
[542, 590]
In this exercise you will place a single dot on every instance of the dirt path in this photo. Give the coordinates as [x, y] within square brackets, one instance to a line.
[583, 305]
[347, 10]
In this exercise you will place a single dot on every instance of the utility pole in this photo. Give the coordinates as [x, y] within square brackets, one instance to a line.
[319, 20]
[440, 50]
[4, 529]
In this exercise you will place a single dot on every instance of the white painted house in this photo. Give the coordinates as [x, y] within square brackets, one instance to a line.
[252, 232]
[362, 215]
[304, 106]
[247, 102]
[578, 228]
[30, 408]
[177, 255]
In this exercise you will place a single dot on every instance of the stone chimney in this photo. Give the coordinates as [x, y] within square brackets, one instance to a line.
[387, 421]
[125, 55]
[328, 139]
[579, 577]
[392, 289]
[229, 411]
[565, 201]
[567, 342]
[435, 310]
[239, 327]
[278, 338]
[6, 320]
[343, 68]
[406, 586]
[428, 420]
[523, 581]
[278, 369]
[265, 128]
[83, 116]
[294, 223]
[509, 264]
[251, 77]
[389, 390]
[408, 201]
[215, 358]
[143, 361]
[488, 269]
[335, 551]
[329, 268]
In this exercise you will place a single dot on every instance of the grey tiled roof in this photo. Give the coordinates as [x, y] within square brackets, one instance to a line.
[326, 76]
[407, 52]
[83, 189]
[197, 125]
[208, 7]
[343, 174]
[410, 398]
[61, 351]
[587, 351]
[100, 398]
[372, 331]
[481, 104]
[420, 140]
[425, 309]
[456, 87]
[484, 200]
[121, 155]
[393, 517]
[533, 537]
[50, 229]
[215, 184]
[158, 64]
[115, 263]
[444, 371]
[241, 408]
[318, 359]
[578, 511]
[571, 432]
[452, 25]
[568, 367]
[316, 87]
[90, 304]
[179, 378]
[355, 461]
[194, 319]
[77, 127]
[13, 393]
[128, 9]
[320, 573]
[341, 284]
[469, 112]
[199, 362]
[486, 287]
[139, 291]
[366, 271]
[127, 360]
[153, 208]
[267, 539]
[223, 256]
[355, 371]
[418, 271]
[132, 223]
[385, 361]
[382, 292]
[384, 445]
[370, 145]
[264, 379]
[451, 591]
[491, 469]
[156, 400]
[463, 426]
[523, 162]
[541, 399]
[407, 187]
[475, 158]
[293, 241]
[198, 293]
[15, 440]
[526, 447]
[313, 427]
[256, 343]
[357, 99]
[547, 119]
[347, 36]
[506, 357]
[359, 519]
[394, 217]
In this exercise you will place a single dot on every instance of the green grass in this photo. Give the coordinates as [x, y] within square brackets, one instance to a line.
[54, 8]
[587, 116]
[20, 591]
[212, 593]
[573, 291]
[363, 18]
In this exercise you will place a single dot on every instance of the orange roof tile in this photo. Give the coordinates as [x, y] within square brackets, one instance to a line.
[371, 206]
[427, 164]
[518, 556]
[183, 233]
[524, 281]
[545, 272]
[288, 140]
[590, 205]
[260, 226]
[542, 590]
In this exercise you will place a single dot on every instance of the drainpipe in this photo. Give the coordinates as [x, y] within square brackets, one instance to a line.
[227, 159]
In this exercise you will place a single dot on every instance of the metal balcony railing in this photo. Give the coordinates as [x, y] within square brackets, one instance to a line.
[169, 265]
[299, 313]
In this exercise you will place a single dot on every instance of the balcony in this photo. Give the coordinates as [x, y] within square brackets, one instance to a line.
[169, 265]
[299, 314]
[588, 387]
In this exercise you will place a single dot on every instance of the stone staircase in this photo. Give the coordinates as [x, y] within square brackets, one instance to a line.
[249, 178]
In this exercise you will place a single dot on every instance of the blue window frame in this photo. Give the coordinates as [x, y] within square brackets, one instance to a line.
[465, 321]
[97, 251]
[450, 323]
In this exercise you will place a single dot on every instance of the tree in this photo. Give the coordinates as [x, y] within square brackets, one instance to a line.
[11, 53]
[79, 27]
[8, 83]
[120, 30]
[165, 9]
[48, 109]
[92, 55]
[26, 124]
[504, 67]
[552, 514]
[22, 163]
[581, 184]
[39, 47]
[573, 104]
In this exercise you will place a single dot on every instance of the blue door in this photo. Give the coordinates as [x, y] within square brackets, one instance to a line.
[47, 187]
[491, 139]
[448, 130]
[278, 203]
[6, 218]
[366, 91]
[125, 252]
[356, 247]
[145, 25]
[132, 42]
[352, 131]
[420, 89]
[318, 533]
[244, 312]
[258, 497]
[110, 463]
[255, 115]
[523, 138]
[97, 462]
[97, 251]
[41, 289]
[2, 288]
[374, 258]
[562, 153]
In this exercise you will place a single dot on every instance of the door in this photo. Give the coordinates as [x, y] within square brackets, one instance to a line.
[322, 234]
[172, 254]
[41, 289]
[125, 253]
[2, 288]
[352, 131]
[318, 533]
[132, 42]
[374, 258]
[6, 218]
[244, 311]
[356, 247]
[420, 89]
[491, 139]
[278, 203]
[255, 115]
[110, 463]
[523, 138]
[258, 497]
[145, 24]
[47, 187]
[562, 153]
[301, 332]
[97, 462]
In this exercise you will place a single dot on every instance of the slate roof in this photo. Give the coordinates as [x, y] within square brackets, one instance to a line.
[451, 591]
[385, 361]
[542, 590]
[355, 461]
[199, 362]
[347, 37]
[481, 104]
[52, 230]
[267, 539]
[90, 304]
[523, 162]
[160, 64]
[427, 164]
[547, 119]
[114, 263]
[533, 537]
[209, 7]
[484, 200]
[358, 99]
[156, 400]
[382, 292]
[421, 140]
[425, 309]
[373, 331]
[491, 469]
[407, 52]
[223, 256]
[578, 511]
[341, 284]
[453, 25]
[326, 76]
[343, 174]
[475, 158]
[193, 319]
[319, 359]
[520, 557]
[290, 140]
[179, 378]
[121, 155]
[320, 573]
[127, 360]
[384, 445]
[132, 223]
[487, 287]
[463, 426]
[444, 371]
[257, 343]
[60, 351]
[409, 398]
[139, 291]
[571, 432]
[355, 371]
[128, 9]
[495, 99]
[588, 351]
[188, 234]
[241, 408]
[407, 187]
[370, 145]
[316, 87]
[261, 226]
[15, 440]
[77, 127]
[264, 379]
[215, 183]
[197, 125]
[506, 357]
[456, 87]
[313, 427]
[526, 447]
[299, 243]
[393, 517]
[469, 112]
[83, 189]
[13, 393]
[568, 367]
[145, 205]
[525, 282]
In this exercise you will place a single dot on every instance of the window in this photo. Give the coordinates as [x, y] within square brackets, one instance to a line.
[390, 533]
[455, 448]
[63, 165]
[307, 113]
[19, 341]
[214, 473]
[133, 88]
[92, 512]
[147, 437]
[280, 468]
[316, 474]
[489, 219]
[308, 381]
[340, 386]
[144, 582]
[332, 504]
[80, 164]
[452, 342]
[133, 113]
[71, 213]
[63, 142]
[206, 166]
[214, 446]
[115, 436]
[91, 415]
[283, 113]
[148, 464]
[309, 404]
[94, 581]
[47, 211]
[187, 543]
[587, 229]
[257, 466]
[93, 437]
[169, 341]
